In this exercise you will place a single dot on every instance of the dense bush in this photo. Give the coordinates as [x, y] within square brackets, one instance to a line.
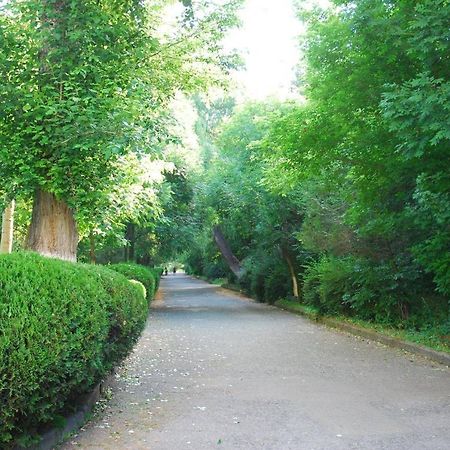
[373, 291]
[326, 281]
[194, 263]
[265, 278]
[147, 276]
[216, 269]
[157, 273]
[140, 286]
[63, 327]
[277, 284]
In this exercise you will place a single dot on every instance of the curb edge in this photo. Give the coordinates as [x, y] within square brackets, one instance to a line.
[411, 347]
[56, 436]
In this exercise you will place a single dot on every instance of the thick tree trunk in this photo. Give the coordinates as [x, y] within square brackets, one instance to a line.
[53, 230]
[293, 274]
[293, 277]
[6, 242]
[225, 249]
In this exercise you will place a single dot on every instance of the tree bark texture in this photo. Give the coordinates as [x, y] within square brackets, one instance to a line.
[6, 242]
[288, 258]
[53, 230]
[225, 249]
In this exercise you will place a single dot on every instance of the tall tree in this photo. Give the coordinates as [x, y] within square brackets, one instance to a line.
[86, 82]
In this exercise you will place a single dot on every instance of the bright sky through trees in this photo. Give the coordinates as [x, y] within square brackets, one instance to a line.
[268, 41]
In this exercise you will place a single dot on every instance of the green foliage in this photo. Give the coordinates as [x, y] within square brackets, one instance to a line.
[354, 178]
[325, 284]
[63, 327]
[85, 91]
[216, 269]
[277, 283]
[157, 274]
[194, 261]
[140, 286]
[173, 231]
[364, 160]
[265, 278]
[256, 222]
[145, 275]
[375, 292]
[66, 95]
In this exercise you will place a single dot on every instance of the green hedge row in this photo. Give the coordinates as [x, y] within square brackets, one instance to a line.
[374, 291]
[149, 277]
[63, 326]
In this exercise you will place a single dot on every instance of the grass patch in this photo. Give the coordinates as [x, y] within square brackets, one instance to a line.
[299, 308]
[218, 281]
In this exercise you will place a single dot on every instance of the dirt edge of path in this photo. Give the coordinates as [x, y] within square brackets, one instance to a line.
[410, 347]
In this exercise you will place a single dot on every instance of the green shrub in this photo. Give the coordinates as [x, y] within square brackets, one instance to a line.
[216, 269]
[194, 263]
[157, 273]
[148, 277]
[354, 287]
[277, 283]
[140, 286]
[63, 326]
[391, 292]
[326, 282]
[265, 278]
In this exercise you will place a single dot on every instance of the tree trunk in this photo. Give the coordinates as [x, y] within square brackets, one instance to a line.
[92, 257]
[225, 249]
[6, 242]
[288, 258]
[53, 230]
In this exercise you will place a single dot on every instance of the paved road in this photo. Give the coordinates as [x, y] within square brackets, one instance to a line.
[216, 371]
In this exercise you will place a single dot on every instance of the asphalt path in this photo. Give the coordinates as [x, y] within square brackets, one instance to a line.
[213, 370]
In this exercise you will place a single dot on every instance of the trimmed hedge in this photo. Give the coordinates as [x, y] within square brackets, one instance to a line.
[63, 326]
[157, 272]
[147, 276]
[140, 286]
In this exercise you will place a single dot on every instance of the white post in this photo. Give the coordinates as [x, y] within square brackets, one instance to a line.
[6, 242]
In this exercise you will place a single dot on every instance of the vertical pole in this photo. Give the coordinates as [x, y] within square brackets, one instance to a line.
[6, 242]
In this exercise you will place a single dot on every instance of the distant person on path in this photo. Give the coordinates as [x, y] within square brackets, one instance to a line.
[166, 271]
[174, 269]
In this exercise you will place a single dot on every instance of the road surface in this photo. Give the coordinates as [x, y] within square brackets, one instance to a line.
[216, 371]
